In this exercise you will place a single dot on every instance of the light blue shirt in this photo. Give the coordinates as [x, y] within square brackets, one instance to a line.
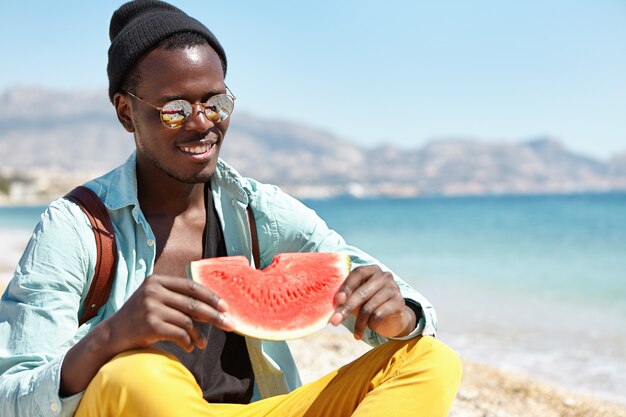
[39, 311]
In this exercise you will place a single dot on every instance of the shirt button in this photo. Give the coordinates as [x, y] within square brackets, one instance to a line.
[150, 242]
[54, 406]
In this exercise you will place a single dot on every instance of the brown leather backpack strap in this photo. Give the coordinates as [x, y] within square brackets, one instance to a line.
[106, 248]
[255, 239]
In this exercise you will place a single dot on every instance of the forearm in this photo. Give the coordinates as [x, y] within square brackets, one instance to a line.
[83, 361]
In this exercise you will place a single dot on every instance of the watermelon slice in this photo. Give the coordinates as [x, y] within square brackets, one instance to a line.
[292, 297]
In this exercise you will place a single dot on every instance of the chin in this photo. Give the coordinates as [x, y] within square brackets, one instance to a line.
[196, 178]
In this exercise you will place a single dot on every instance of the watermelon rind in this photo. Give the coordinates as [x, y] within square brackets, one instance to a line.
[299, 301]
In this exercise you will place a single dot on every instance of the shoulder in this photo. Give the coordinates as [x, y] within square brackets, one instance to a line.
[117, 188]
[287, 213]
[283, 220]
[60, 253]
[247, 190]
[64, 221]
[63, 215]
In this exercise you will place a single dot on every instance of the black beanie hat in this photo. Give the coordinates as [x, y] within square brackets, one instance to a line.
[138, 26]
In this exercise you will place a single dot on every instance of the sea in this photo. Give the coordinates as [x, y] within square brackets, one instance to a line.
[531, 284]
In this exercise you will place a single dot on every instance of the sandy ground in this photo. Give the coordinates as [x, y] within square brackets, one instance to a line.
[484, 392]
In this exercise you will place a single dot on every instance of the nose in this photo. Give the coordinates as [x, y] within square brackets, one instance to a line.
[198, 120]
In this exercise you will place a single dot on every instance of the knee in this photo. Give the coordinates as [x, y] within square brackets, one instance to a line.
[446, 360]
[131, 371]
[130, 363]
[433, 371]
[119, 387]
[441, 365]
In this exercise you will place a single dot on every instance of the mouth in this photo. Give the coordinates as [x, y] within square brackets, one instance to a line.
[200, 151]
[197, 149]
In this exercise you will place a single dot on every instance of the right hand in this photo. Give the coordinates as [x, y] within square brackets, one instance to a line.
[166, 308]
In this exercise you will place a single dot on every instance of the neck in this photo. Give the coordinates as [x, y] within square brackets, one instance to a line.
[164, 195]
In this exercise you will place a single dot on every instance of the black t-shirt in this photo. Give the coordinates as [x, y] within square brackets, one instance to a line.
[222, 370]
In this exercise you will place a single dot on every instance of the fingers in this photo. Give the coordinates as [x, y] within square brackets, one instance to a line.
[196, 309]
[197, 291]
[168, 308]
[374, 298]
[360, 285]
[197, 302]
[374, 311]
[177, 327]
[353, 281]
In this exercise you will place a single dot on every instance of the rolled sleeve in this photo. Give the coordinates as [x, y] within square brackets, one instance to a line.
[36, 392]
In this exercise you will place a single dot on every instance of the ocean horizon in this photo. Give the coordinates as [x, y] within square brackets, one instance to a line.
[530, 283]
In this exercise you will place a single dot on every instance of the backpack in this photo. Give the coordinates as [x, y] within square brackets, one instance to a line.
[106, 248]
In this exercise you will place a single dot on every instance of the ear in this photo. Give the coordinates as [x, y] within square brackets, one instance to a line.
[124, 111]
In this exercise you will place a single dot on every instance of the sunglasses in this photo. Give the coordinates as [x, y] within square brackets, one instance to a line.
[176, 113]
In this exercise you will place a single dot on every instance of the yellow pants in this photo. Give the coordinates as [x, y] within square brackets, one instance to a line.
[418, 377]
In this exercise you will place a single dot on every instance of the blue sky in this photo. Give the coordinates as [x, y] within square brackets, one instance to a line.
[393, 72]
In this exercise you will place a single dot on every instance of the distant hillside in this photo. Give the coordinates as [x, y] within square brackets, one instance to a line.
[77, 132]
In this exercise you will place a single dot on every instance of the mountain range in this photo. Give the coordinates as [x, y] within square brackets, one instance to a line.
[77, 134]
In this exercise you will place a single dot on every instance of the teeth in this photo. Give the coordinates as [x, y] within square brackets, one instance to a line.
[196, 149]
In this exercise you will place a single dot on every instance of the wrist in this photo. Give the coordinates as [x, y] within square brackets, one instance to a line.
[107, 336]
[410, 321]
[99, 343]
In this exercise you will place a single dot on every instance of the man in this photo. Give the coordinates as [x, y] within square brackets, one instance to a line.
[161, 345]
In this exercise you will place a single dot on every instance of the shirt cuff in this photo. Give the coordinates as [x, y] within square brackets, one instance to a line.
[50, 402]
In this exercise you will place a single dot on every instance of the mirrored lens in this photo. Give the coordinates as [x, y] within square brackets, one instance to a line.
[175, 113]
[218, 108]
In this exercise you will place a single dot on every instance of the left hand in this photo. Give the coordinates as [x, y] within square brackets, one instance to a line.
[374, 298]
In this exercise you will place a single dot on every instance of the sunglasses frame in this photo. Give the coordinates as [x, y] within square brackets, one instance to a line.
[193, 114]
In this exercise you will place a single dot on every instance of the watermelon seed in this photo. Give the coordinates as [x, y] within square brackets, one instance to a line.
[219, 274]
[251, 293]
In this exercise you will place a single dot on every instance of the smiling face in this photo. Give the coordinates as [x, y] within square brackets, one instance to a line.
[188, 154]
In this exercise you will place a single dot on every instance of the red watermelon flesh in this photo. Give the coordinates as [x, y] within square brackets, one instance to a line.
[292, 297]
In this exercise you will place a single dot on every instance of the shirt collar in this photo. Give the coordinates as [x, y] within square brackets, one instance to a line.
[124, 180]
